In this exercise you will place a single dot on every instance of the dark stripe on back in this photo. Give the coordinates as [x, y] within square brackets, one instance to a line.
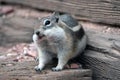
[69, 20]
[80, 33]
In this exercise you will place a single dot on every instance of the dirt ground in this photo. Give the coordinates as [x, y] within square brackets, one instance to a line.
[17, 51]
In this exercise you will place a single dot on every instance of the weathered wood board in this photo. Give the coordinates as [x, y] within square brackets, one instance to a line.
[10, 70]
[103, 11]
[15, 30]
[24, 70]
[103, 56]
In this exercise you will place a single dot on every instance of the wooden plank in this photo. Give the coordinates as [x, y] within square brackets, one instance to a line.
[104, 66]
[104, 11]
[16, 29]
[25, 71]
[105, 43]
[102, 56]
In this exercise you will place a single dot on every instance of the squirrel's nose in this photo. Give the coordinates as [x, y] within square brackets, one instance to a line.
[37, 33]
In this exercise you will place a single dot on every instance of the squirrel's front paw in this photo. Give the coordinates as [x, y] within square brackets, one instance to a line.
[56, 69]
[38, 68]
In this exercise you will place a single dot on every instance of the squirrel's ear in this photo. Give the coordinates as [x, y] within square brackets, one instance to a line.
[56, 15]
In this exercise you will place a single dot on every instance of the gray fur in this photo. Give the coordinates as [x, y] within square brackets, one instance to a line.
[69, 20]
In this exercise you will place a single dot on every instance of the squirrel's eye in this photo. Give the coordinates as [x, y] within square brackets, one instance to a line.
[47, 22]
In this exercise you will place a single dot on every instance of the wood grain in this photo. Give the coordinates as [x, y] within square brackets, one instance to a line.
[102, 11]
[25, 71]
[103, 55]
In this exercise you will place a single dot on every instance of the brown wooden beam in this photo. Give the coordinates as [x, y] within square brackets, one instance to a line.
[103, 11]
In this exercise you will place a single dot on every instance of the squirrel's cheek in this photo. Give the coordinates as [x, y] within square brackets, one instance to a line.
[47, 32]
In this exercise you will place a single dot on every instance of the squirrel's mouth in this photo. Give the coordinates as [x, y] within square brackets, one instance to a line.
[41, 36]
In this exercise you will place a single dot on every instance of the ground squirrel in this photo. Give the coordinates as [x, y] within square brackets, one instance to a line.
[58, 36]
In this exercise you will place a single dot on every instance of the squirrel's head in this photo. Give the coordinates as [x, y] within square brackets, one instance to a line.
[48, 25]
[49, 22]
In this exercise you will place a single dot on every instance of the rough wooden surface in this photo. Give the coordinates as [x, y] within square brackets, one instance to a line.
[103, 55]
[15, 30]
[104, 11]
[10, 70]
